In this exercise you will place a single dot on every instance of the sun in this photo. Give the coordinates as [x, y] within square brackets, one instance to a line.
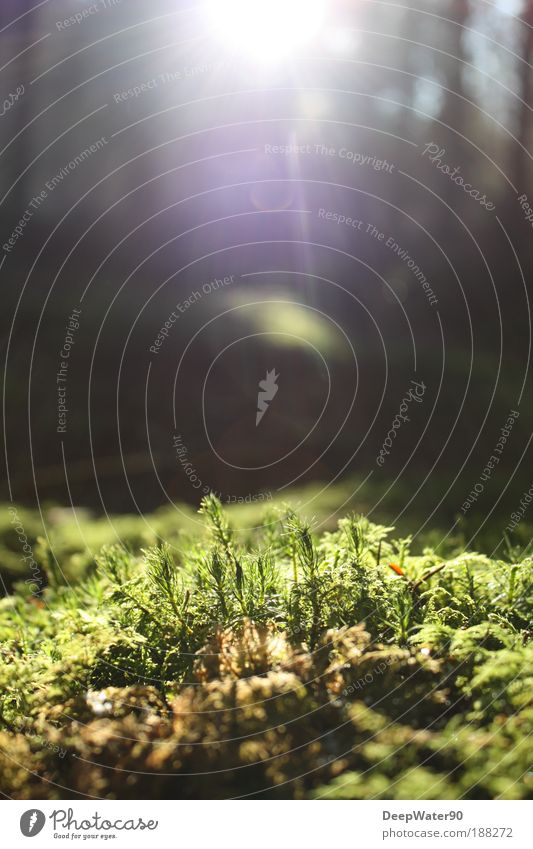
[266, 31]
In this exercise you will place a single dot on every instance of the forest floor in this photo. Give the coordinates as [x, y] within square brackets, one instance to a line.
[274, 662]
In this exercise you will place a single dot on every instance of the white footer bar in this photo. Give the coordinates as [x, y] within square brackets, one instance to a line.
[268, 824]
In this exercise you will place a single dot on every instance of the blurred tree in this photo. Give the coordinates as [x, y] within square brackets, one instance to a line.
[454, 111]
[520, 157]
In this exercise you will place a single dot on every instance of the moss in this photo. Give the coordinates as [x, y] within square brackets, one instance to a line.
[283, 664]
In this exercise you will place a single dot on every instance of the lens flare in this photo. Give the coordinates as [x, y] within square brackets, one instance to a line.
[266, 31]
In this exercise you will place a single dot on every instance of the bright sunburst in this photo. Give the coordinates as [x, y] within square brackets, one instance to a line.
[266, 30]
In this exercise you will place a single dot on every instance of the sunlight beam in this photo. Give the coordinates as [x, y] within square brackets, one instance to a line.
[266, 31]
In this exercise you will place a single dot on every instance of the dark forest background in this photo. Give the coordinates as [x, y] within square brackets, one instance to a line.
[187, 193]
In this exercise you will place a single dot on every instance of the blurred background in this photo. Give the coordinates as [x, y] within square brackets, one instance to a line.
[194, 196]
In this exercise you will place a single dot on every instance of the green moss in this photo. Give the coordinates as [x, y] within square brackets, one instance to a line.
[279, 663]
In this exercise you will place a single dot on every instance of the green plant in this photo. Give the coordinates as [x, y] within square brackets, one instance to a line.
[305, 663]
